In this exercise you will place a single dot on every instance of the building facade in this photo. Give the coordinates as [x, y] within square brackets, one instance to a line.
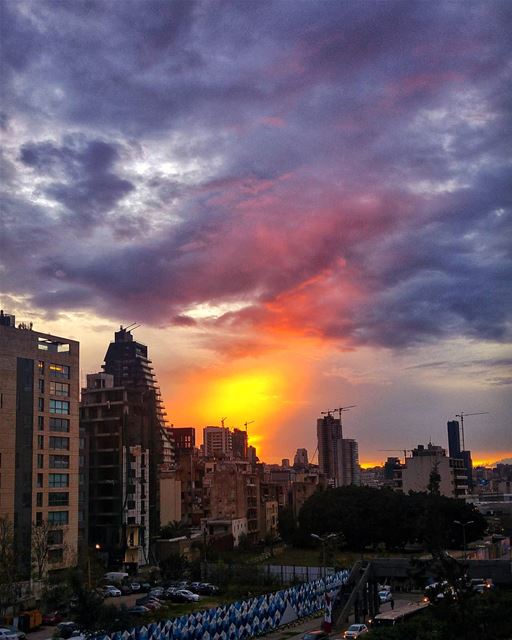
[217, 442]
[415, 475]
[39, 444]
[338, 457]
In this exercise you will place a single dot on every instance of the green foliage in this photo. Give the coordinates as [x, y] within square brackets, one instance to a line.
[175, 529]
[173, 566]
[369, 517]
[286, 524]
[9, 575]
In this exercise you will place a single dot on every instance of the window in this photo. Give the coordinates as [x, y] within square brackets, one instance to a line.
[59, 370]
[59, 442]
[40, 404]
[39, 480]
[40, 461]
[59, 462]
[59, 406]
[55, 555]
[58, 517]
[39, 499]
[55, 537]
[58, 480]
[58, 499]
[41, 385]
[59, 388]
[59, 424]
[40, 423]
[40, 367]
[39, 518]
[40, 442]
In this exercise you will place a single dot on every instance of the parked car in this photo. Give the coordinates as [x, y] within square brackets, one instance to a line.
[145, 586]
[67, 629]
[111, 591]
[157, 592]
[135, 586]
[19, 634]
[188, 595]
[355, 630]
[150, 603]
[384, 596]
[138, 610]
[52, 617]
[207, 589]
[315, 635]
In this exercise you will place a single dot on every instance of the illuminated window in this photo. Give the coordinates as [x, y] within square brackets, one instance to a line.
[40, 367]
[59, 370]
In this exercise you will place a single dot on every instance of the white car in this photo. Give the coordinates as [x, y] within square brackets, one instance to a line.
[385, 596]
[7, 634]
[192, 597]
[111, 591]
[355, 630]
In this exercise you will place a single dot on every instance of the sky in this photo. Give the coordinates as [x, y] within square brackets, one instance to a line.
[305, 205]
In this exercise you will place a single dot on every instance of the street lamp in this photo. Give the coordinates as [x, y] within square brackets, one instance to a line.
[463, 525]
[323, 540]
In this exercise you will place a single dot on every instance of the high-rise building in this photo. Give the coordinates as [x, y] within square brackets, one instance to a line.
[184, 440]
[39, 445]
[300, 460]
[455, 451]
[217, 442]
[338, 458]
[239, 444]
[350, 470]
[129, 447]
[329, 434]
[453, 438]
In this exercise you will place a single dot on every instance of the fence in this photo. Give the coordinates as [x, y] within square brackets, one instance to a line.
[266, 573]
[242, 620]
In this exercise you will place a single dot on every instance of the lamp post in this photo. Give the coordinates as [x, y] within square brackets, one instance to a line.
[323, 540]
[463, 525]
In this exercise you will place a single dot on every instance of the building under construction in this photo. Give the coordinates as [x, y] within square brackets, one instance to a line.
[129, 446]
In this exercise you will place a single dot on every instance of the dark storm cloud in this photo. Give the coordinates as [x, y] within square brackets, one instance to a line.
[341, 168]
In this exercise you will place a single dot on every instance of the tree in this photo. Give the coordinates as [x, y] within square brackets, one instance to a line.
[9, 575]
[41, 543]
[434, 481]
[173, 566]
[175, 529]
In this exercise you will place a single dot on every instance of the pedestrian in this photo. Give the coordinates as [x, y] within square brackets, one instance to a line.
[392, 603]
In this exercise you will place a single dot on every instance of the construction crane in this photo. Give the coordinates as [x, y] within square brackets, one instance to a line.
[341, 409]
[246, 424]
[463, 415]
[328, 412]
[404, 450]
[222, 420]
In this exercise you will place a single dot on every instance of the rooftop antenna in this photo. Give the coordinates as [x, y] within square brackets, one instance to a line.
[130, 325]
[462, 415]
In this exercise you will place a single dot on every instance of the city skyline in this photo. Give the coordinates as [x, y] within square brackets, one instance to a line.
[304, 205]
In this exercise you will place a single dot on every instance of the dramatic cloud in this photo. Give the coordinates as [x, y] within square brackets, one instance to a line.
[240, 170]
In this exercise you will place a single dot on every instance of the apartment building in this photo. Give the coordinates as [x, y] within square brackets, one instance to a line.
[39, 444]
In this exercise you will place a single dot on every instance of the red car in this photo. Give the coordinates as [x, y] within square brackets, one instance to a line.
[52, 617]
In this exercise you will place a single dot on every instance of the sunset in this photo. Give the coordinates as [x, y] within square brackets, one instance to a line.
[303, 205]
